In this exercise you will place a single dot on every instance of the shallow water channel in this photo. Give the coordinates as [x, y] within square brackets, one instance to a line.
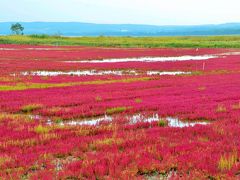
[171, 121]
[101, 73]
[147, 59]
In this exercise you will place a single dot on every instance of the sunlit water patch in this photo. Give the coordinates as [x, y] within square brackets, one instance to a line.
[30, 49]
[171, 73]
[8, 49]
[230, 54]
[147, 59]
[99, 73]
[41, 49]
[175, 122]
[93, 122]
[79, 73]
[171, 121]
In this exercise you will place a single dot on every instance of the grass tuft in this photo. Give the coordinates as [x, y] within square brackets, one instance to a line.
[116, 110]
[30, 108]
[221, 109]
[41, 129]
[227, 162]
[162, 123]
[138, 100]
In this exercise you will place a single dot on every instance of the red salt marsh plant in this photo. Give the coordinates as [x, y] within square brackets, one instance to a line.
[153, 153]
[33, 148]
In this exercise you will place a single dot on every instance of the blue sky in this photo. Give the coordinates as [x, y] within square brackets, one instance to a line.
[159, 12]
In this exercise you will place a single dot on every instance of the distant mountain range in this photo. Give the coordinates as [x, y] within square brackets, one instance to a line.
[88, 29]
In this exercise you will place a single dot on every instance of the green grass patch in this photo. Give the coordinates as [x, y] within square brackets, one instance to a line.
[147, 42]
[162, 123]
[116, 110]
[41, 129]
[25, 86]
[138, 100]
[227, 162]
[30, 108]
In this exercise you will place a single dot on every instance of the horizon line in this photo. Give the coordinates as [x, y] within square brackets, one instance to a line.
[213, 24]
